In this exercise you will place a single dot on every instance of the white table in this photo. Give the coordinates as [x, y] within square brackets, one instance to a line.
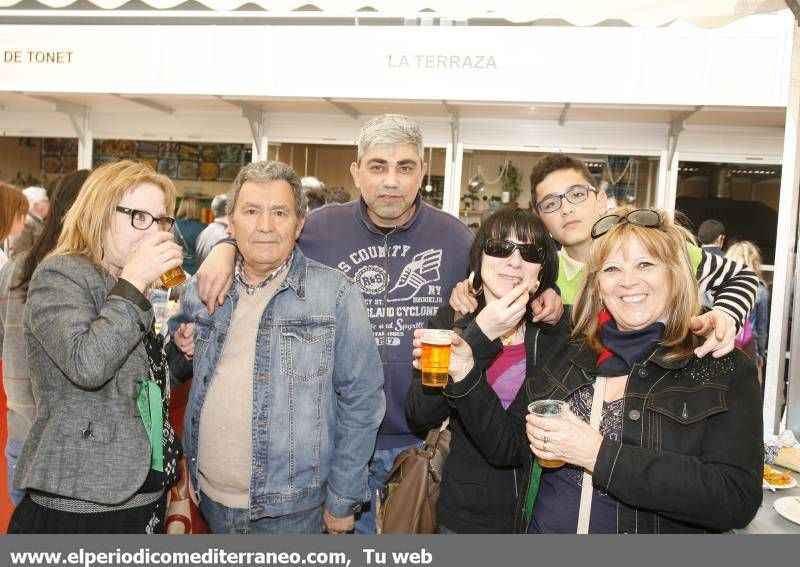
[767, 520]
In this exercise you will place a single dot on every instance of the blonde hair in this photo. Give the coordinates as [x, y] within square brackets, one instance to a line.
[88, 219]
[747, 253]
[189, 209]
[667, 244]
[13, 205]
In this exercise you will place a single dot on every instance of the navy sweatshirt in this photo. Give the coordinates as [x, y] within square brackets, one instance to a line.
[404, 276]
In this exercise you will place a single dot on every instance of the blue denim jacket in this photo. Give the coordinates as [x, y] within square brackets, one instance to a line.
[317, 390]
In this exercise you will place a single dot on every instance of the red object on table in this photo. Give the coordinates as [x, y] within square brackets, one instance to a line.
[5, 504]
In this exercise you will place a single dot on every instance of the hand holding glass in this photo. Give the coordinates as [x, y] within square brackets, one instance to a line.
[435, 359]
[549, 409]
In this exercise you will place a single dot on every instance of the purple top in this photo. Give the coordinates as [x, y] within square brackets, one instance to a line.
[507, 373]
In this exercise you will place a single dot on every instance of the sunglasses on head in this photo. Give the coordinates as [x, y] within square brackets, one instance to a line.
[647, 218]
[497, 248]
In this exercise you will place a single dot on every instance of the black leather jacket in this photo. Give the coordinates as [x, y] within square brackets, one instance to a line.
[477, 496]
[691, 455]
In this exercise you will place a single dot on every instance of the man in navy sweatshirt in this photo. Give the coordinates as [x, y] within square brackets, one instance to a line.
[404, 254]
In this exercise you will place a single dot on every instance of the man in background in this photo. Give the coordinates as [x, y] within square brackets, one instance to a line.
[711, 235]
[315, 192]
[214, 232]
[38, 209]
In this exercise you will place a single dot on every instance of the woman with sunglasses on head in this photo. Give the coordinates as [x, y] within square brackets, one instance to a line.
[512, 260]
[655, 439]
[101, 452]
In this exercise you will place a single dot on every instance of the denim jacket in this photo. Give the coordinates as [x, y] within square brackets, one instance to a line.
[317, 391]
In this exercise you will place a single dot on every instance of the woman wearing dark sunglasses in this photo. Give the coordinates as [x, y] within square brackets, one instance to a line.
[101, 453]
[655, 439]
[512, 260]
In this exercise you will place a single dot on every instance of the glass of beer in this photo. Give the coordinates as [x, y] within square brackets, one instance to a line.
[435, 356]
[550, 409]
[173, 277]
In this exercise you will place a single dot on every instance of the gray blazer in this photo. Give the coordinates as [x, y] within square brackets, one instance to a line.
[86, 360]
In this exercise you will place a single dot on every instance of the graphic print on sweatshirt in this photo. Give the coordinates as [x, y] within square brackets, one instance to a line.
[399, 306]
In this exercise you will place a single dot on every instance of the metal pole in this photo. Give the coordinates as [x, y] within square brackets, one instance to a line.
[785, 262]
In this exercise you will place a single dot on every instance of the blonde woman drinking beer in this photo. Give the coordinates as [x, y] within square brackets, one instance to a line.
[101, 452]
[513, 260]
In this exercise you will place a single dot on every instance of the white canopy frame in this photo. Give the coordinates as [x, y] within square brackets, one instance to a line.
[639, 13]
[455, 132]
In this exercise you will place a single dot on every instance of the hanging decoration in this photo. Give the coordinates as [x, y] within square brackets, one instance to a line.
[622, 174]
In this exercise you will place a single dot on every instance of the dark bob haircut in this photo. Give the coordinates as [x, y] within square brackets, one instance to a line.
[525, 227]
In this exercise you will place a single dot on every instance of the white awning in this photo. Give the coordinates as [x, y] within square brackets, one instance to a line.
[640, 13]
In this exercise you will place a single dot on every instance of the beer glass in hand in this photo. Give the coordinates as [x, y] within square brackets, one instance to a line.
[435, 356]
[551, 409]
[175, 276]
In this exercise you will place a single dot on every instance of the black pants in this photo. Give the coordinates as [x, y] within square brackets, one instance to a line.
[32, 518]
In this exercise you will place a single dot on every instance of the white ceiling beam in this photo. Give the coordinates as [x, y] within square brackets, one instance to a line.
[343, 107]
[381, 100]
[257, 120]
[240, 104]
[61, 105]
[77, 114]
[675, 129]
[151, 104]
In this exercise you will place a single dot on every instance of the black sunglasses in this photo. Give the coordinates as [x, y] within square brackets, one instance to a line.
[647, 218]
[533, 253]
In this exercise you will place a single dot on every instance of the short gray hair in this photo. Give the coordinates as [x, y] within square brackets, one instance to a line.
[264, 172]
[219, 205]
[312, 183]
[390, 129]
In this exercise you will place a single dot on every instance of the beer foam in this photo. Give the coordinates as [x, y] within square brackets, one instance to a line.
[440, 338]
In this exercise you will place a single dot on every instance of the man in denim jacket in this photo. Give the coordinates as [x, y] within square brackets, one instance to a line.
[287, 394]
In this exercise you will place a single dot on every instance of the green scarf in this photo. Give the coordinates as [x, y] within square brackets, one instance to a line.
[152, 412]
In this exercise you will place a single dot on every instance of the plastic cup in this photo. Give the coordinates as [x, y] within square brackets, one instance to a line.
[550, 409]
[435, 357]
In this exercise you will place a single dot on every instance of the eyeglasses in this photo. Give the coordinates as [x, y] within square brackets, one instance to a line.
[647, 218]
[574, 194]
[533, 253]
[142, 220]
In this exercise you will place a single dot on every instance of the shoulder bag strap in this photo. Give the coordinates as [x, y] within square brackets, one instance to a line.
[585, 510]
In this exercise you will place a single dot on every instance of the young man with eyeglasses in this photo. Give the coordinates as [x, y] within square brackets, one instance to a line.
[582, 204]
[569, 203]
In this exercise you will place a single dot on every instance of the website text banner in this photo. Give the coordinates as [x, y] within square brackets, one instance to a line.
[394, 551]
[745, 63]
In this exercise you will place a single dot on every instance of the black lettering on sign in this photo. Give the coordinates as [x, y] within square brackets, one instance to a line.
[49, 57]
